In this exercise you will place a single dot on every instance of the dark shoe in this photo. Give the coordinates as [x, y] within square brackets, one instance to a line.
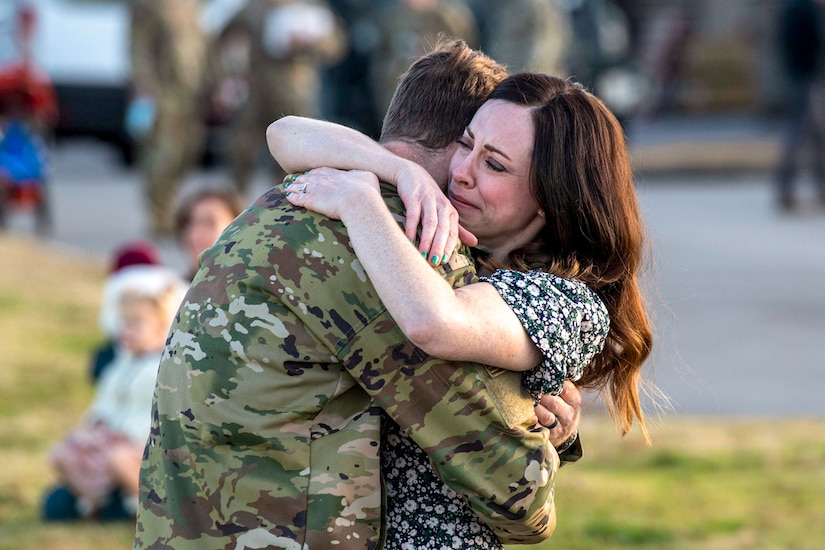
[60, 505]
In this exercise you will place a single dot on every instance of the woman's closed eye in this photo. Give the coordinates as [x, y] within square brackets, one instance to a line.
[495, 166]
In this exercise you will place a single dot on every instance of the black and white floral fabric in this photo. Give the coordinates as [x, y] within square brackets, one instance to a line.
[564, 318]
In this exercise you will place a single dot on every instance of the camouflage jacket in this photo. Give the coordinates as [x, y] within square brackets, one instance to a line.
[266, 419]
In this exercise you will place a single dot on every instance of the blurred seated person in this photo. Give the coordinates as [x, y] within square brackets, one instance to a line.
[121, 271]
[23, 154]
[98, 462]
[200, 216]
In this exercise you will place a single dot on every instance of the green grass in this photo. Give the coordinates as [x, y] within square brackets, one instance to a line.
[707, 483]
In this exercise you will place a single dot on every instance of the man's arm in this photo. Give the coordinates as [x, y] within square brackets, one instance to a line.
[475, 427]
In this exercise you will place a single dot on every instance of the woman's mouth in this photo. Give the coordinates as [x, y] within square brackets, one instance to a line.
[460, 203]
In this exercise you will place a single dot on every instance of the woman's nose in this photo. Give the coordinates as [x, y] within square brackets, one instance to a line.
[462, 174]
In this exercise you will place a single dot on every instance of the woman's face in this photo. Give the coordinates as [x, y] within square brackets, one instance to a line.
[489, 184]
[209, 217]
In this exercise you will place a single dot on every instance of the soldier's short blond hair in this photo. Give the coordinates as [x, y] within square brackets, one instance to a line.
[438, 95]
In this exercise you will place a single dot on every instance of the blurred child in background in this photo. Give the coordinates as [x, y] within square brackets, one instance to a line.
[98, 462]
[128, 264]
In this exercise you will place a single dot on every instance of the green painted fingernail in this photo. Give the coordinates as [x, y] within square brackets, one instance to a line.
[424, 255]
[434, 259]
[444, 259]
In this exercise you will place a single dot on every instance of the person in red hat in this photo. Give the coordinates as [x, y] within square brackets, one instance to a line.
[128, 262]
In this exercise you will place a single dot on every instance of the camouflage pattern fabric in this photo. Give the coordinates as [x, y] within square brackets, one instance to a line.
[266, 420]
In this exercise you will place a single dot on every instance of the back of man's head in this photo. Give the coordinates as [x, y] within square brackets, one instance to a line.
[439, 94]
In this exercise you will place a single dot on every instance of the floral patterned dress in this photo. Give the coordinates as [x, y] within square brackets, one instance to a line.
[569, 323]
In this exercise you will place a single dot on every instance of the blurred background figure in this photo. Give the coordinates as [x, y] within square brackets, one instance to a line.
[802, 49]
[200, 217]
[28, 112]
[168, 50]
[128, 262]
[286, 43]
[348, 97]
[409, 29]
[662, 54]
[601, 54]
[525, 35]
[97, 463]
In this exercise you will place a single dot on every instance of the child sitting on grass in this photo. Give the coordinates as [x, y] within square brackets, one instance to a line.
[98, 463]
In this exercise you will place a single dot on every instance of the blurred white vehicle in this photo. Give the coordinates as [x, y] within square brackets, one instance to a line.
[83, 46]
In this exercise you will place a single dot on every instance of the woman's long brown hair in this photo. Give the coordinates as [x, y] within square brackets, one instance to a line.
[583, 181]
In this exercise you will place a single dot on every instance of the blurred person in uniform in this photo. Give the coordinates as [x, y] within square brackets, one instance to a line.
[409, 29]
[347, 96]
[289, 42]
[200, 217]
[525, 35]
[168, 50]
[802, 45]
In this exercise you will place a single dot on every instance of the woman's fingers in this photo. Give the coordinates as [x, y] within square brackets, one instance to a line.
[430, 216]
[445, 236]
[320, 190]
[466, 237]
[439, 230]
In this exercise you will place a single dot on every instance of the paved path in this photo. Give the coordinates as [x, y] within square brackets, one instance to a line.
[739, 300]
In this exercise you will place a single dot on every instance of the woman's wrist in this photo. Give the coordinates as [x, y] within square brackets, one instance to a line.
[361, 202]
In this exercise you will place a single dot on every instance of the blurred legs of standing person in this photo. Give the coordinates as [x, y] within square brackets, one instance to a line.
[802, 44]
[526, 35]
[347, 96]
[805, 135]
[289, 43]
[408, 29]
[168, 51]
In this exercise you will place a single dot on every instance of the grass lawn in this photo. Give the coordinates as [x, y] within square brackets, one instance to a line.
[707, 483]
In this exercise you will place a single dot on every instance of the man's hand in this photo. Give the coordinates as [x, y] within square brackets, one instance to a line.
[561, 413]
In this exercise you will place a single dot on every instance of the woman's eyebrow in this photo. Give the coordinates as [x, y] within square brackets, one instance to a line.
[488, 147]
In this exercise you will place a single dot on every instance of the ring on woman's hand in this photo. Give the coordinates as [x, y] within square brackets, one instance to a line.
[304, 188]
[554, 424]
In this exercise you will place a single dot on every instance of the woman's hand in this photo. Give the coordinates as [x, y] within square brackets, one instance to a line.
[331, 192]
[427, 205]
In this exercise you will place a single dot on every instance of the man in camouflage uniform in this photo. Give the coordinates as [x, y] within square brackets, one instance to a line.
[289, 42]
[168, 51]
[267, 414]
